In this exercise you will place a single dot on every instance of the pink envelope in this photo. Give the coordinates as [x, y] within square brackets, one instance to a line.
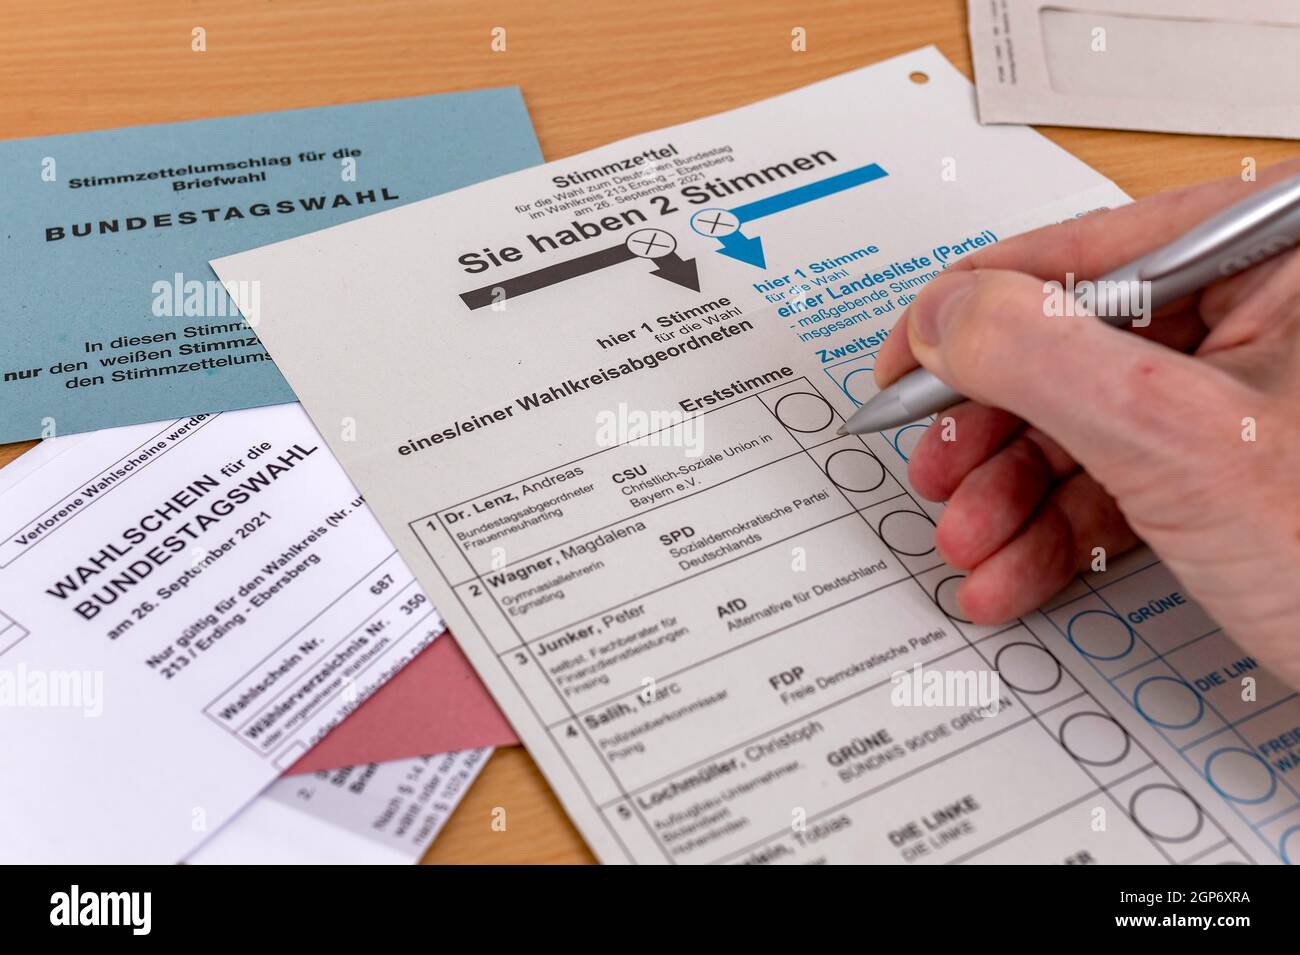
[435, 704]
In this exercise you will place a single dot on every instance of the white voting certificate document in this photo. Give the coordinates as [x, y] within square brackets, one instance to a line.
[595, 406]
[185, 608]
[373, 814]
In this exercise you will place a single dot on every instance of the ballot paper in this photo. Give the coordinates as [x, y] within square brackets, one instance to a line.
[377, 814]
[1178, 66]
[596, 406]
[113, 316]
[185, 609]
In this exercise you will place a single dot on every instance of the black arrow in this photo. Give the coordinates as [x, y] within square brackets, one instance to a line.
[551, 275]
[678, 271]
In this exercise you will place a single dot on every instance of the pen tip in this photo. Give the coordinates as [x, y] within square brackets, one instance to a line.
[881, 411]
[844, 429]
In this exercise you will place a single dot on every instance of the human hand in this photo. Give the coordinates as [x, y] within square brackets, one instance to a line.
[1184, 434]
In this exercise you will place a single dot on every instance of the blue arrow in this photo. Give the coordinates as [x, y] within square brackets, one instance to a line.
[808, 193]
[750, 250]
[743, 249]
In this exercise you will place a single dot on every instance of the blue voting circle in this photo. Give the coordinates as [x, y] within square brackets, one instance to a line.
[1170, 699]
[904, 439]
[1100, 634]
[863, 384]
[1284, 845]
[715, 223]
[1227, 769]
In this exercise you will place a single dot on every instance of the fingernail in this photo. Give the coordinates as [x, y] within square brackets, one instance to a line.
[934, 307]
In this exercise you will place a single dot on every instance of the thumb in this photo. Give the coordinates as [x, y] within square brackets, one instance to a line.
[1107, 396]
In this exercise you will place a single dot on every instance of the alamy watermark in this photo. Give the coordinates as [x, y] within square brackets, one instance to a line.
[53, 689]
[650, 428]
[1129, 299]
[921, 687]
[179, 297]
[75, 907]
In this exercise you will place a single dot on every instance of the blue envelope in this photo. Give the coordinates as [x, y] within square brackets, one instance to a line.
[111, 314]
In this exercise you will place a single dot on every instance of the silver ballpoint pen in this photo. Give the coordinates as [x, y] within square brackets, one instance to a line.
[1245, 234]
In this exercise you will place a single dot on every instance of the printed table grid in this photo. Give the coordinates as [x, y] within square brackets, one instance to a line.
[1230, 728]
[1101, 788]
[623, 802]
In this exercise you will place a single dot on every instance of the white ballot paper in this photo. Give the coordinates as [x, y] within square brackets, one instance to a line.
[376, 814]
[595, 406]
[185, 608]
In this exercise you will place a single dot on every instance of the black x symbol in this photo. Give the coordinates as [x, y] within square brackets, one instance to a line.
[652, 244]
[713, 226]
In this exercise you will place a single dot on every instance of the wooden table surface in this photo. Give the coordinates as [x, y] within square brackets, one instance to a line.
[591, 71]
